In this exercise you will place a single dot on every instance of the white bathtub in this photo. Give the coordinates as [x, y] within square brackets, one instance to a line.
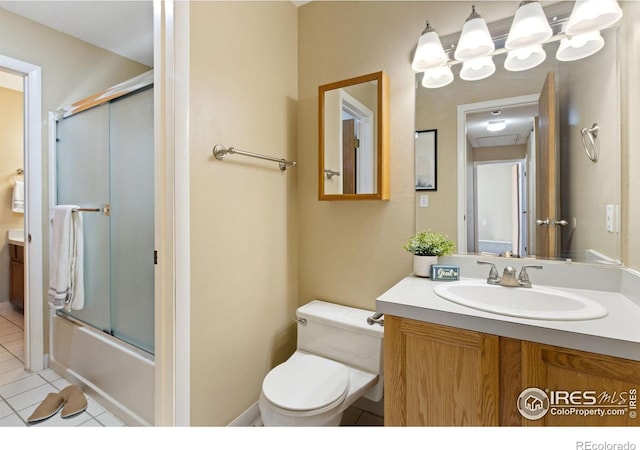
[119, 376]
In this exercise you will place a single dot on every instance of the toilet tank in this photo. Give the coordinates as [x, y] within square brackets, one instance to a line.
[341, 333]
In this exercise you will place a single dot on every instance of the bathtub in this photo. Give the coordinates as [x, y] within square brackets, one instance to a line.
[119, 376]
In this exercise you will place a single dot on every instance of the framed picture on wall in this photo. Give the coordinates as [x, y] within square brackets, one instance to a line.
[426, 150]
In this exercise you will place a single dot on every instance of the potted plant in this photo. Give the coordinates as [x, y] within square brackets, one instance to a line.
[426, 246]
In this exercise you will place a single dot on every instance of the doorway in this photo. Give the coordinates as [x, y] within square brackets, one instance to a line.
[476, 144]
[500, 208]
[33, 223]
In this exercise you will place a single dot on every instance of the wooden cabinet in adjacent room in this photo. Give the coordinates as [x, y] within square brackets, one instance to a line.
[16, 275]
[442, 376]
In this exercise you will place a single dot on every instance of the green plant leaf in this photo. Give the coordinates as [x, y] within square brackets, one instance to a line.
[429, 243]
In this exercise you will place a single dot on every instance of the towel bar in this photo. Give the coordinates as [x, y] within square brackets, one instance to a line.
[220, 151]
[106, 209]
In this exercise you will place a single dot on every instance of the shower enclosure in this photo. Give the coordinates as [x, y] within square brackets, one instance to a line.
[103, 162]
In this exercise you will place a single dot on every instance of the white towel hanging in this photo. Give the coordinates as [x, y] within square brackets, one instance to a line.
[66, 259]
[17, 200]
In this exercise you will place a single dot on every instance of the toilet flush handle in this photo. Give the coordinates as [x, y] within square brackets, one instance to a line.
[376, 318]
[302, 322]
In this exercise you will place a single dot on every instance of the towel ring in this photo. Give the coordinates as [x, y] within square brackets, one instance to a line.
[17, 172]
[589, 136]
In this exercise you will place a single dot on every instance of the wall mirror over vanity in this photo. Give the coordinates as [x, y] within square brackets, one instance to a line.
[532, 132]
[354, 139]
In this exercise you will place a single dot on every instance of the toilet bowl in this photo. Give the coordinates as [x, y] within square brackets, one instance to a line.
[338, 360]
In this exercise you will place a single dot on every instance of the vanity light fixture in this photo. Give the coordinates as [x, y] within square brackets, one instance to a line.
[577, 26]
[529, 27]
[475, 40]
[525, 58]
[580, 46]
[429, 52]
[496, 125]
[593, 15]
[438, 77]
[477, 69]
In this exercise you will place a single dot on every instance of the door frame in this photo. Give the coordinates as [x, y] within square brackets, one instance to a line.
[462, 156]
[33, 224]
[171, 141]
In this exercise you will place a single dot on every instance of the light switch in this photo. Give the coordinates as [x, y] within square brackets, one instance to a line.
[424, 201]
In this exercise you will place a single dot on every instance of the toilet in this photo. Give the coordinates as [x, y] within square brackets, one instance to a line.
[338, 360]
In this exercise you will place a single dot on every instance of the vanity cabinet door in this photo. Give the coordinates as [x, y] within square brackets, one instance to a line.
[16, 275]
[439, 376]
[587, 382]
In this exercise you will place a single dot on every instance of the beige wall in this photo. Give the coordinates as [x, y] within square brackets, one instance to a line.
[11, 147]
[498, 153]
[350, 251]
[590, 93]
[244, 237]
[71, 71]
[631, 135]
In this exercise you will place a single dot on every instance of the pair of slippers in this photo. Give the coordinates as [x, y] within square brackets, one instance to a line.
[70, 400]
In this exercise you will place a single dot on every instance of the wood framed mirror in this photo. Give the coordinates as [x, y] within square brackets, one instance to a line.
[354, 139]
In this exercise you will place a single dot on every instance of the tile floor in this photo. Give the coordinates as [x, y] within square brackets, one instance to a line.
[354, 416]
[21, 392]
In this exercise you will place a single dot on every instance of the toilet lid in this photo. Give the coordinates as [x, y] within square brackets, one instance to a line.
[305, 382]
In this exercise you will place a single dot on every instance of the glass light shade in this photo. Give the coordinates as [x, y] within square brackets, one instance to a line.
[477, 69]
[580, 46]
[429, 53]
[475, 41]
[525, 58]
[496, 125]
[529, 27]
[438, 77]
[593, 15]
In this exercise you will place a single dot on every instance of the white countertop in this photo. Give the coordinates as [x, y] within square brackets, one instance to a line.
[16, 237]
[617, 334]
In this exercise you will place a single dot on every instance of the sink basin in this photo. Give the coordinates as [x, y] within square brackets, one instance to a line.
[532, 303]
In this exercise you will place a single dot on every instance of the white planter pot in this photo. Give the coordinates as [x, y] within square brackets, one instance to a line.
[422, 265]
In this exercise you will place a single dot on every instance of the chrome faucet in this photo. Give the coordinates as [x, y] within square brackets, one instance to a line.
[509, 276]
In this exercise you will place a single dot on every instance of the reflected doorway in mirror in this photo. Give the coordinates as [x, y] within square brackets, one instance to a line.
[426, 147]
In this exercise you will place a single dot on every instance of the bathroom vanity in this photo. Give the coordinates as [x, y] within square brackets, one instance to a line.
[16, 267]
[448, 365]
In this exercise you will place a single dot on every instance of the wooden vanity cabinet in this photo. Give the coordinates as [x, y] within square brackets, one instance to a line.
[588, 375]
[16, 275]
[436, 375]
[442, 376]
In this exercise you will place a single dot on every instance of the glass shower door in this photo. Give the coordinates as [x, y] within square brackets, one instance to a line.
[104, 155]
[82, 176]
[132, 219]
